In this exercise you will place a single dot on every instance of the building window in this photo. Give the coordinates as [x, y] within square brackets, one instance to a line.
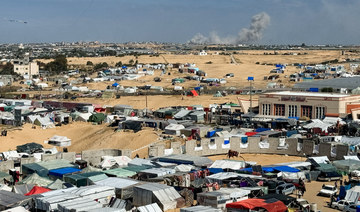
[279, 110]
[293, 111]
[306, 111]
[319, 112]
[266, 109]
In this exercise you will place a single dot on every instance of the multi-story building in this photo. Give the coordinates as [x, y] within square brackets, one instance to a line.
[307, 104]
[26, 68]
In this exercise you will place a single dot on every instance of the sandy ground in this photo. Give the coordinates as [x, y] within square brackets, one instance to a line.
[83, 135]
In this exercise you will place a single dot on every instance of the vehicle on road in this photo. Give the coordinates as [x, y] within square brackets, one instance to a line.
[285, 189]
[328, 190]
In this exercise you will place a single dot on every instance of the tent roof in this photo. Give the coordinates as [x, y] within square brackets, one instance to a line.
[37, 190]
[62, 171]
[10, 199]
[119, 172]
[36, 179]
[271, 205]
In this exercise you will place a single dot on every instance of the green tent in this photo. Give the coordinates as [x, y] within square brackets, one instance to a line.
[97, 117]
[36, 179]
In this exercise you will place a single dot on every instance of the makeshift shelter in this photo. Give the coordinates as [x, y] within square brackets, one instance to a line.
[83, 117]
[200, 208]
[110, 161]
[97, 118]
[132, 125]
[57, 140]
[151, 207]
[36, 179]
[59, 173]
[156, 172]
[79, 204]
[4, 175]
[228, 164]
[84, 179]
[9, 200]
[42, 168]
[219, 198]
[123, 186]
[29, 148]
[165, 196]
[57, 184]
[271, 205]
[119, 172]
[23, 188]
[37, 190]
[197, 116]
[174, 129]
[189, 159]
[347, 166]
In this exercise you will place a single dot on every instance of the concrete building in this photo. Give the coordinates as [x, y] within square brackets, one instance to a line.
[26, 68]
[307, 104]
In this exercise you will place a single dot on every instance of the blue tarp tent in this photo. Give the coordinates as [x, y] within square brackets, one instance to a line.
[264, 169]
[215, 170]
[260, 129]
[210, 134]
[244, 139]
[61, 172]
[123, 67]
[286, 169]
[115, 84]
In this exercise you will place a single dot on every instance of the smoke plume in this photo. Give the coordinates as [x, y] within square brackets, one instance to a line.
[258, 24]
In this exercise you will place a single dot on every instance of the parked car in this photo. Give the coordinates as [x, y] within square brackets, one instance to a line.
[329, 176]
[285, 189]
[304, 204]
[229, 75]
[328, 190]
[350, 208]
[341, 204]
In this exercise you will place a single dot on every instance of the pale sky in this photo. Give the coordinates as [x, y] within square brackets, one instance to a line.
[292, 21]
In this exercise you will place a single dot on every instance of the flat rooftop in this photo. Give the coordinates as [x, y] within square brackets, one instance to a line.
[312, 94]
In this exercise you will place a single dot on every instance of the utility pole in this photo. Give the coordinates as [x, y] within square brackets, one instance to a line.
[250, 79]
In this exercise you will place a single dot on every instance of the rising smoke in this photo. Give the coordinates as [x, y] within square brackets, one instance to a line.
[259, 22]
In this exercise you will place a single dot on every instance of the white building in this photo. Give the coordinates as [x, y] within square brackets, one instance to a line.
[202, 53]
[26, 68]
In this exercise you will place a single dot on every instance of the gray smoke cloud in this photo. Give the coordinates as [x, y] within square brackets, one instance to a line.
[259, 22]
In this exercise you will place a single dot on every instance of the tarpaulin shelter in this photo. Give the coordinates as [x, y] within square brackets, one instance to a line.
[271, 205]
[42, 168]
[57, 140]
[123, 186]
[29, 147]
[115, 84]
[37, 190]
[84, 179]
[347, 165]
[132, 125]
[9, 200]
[36, 179]
[59, 173]
[119, 172]
[165, 196]
[97, 117]
[194, 93]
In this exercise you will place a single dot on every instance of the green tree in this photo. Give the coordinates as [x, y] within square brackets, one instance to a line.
[58, 65]
[118, 64]
[7, 69]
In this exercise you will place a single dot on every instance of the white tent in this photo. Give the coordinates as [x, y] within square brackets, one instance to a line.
[57, 140]
[228, 164]
[174, 129]
[83, 117]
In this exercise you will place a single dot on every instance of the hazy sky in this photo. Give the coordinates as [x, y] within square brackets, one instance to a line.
[292, 21]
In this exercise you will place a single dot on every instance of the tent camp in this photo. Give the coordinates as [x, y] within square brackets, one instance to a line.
[132, 125]
[84, 179]
[165, 196]
[199, 208]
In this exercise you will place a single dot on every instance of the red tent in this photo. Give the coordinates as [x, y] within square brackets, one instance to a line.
[250, 133]
[271, 205]
[37, 190]
[194, 93]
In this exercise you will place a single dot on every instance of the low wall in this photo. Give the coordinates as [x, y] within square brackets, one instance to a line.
[6, 165]
[294, 147]
[93, 157]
